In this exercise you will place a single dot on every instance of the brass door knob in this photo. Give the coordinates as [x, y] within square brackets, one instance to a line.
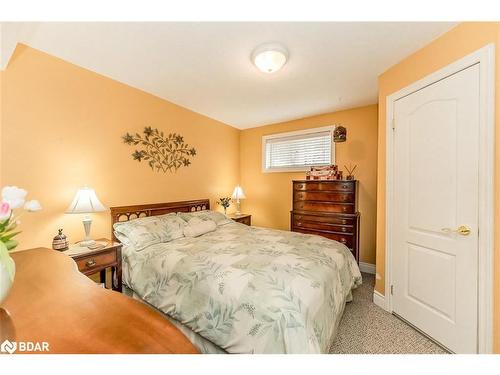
[462, 230]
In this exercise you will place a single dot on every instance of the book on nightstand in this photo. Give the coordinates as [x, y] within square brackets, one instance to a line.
[76, 249]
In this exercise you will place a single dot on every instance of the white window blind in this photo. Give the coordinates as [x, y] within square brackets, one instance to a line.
[297, 151]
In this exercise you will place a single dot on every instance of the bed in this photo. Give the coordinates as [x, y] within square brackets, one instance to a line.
[238, 289]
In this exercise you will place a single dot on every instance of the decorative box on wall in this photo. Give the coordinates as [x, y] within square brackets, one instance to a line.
[327, 208]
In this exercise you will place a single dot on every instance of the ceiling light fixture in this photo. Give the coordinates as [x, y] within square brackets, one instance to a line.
[270, 57]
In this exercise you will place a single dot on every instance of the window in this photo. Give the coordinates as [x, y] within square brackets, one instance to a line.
[297, 151]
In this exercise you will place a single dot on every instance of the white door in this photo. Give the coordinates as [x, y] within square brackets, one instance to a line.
[435, 257]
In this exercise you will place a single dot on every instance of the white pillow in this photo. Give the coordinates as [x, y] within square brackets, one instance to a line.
[147, 231]
[218, 217]
[196, 227]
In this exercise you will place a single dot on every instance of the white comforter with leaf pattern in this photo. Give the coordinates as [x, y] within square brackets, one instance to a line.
[249, 289]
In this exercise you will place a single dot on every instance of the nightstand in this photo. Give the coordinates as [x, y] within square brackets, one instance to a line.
[242, 218]
[90, 261]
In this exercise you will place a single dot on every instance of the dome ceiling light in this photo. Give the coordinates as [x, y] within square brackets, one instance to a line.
[270, 57]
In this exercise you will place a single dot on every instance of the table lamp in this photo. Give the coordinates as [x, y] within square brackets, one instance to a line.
[86, 202]
[238, 194]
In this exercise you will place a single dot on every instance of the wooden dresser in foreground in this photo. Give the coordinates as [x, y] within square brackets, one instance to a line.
[328, 209]
[51, 302]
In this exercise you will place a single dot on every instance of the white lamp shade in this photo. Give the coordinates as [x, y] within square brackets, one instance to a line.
[84, 202]
[238, 193]
[270, 57]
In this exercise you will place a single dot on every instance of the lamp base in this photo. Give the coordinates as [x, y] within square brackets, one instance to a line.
[87, 222]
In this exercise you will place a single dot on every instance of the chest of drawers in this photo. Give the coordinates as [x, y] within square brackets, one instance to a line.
[328, 209]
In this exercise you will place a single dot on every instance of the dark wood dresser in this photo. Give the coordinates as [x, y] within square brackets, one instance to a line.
[328, 209]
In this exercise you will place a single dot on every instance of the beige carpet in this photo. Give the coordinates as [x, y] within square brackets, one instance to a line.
[367, 329]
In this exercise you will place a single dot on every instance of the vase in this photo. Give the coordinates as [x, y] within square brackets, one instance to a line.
[7, 272]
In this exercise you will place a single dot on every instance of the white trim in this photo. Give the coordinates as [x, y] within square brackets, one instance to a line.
[379, 300]
[329, 128]
[486, 58]
[367, 268]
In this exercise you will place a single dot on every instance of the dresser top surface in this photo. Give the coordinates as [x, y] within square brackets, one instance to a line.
[338, 181]
[52, 302]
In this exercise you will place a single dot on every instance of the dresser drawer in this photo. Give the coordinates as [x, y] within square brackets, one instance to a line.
[337, 219]
[340, 197]
[324, 226]
[325, 186]
[345, 208]
[345, 239]
[91, 263]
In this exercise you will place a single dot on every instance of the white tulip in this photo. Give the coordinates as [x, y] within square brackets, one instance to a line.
[32, 205]
[14, 196]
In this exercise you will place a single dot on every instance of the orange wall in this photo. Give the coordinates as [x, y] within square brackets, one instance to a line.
[269, 195]
[1, 118]
[458, 42]
[62, 128]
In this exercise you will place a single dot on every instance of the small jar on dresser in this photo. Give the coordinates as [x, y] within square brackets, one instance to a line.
[327, 208]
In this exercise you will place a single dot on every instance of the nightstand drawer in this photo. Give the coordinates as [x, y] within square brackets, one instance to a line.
[245, 220]
[242, 218]
[94, 262]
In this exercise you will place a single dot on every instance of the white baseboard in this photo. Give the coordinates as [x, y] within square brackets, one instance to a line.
[367, 267]
[379, 300]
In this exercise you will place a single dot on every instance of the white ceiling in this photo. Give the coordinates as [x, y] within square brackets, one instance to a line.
[206, 67]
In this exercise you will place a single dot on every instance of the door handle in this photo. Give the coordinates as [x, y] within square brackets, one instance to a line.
[462, 230]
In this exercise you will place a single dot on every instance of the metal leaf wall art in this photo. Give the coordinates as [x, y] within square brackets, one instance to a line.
[162, 153]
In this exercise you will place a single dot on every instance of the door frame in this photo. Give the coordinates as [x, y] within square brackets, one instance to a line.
[485, 56]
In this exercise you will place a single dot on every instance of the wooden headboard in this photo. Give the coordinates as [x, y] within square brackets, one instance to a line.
[126, 213]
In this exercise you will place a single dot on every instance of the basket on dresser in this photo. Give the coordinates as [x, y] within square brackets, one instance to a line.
[327, 208]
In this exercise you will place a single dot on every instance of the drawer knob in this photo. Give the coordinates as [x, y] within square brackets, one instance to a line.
[299, 223]
[343, 240]
[343, 229]
[90, 263]
[344, 221]
[298, 217]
